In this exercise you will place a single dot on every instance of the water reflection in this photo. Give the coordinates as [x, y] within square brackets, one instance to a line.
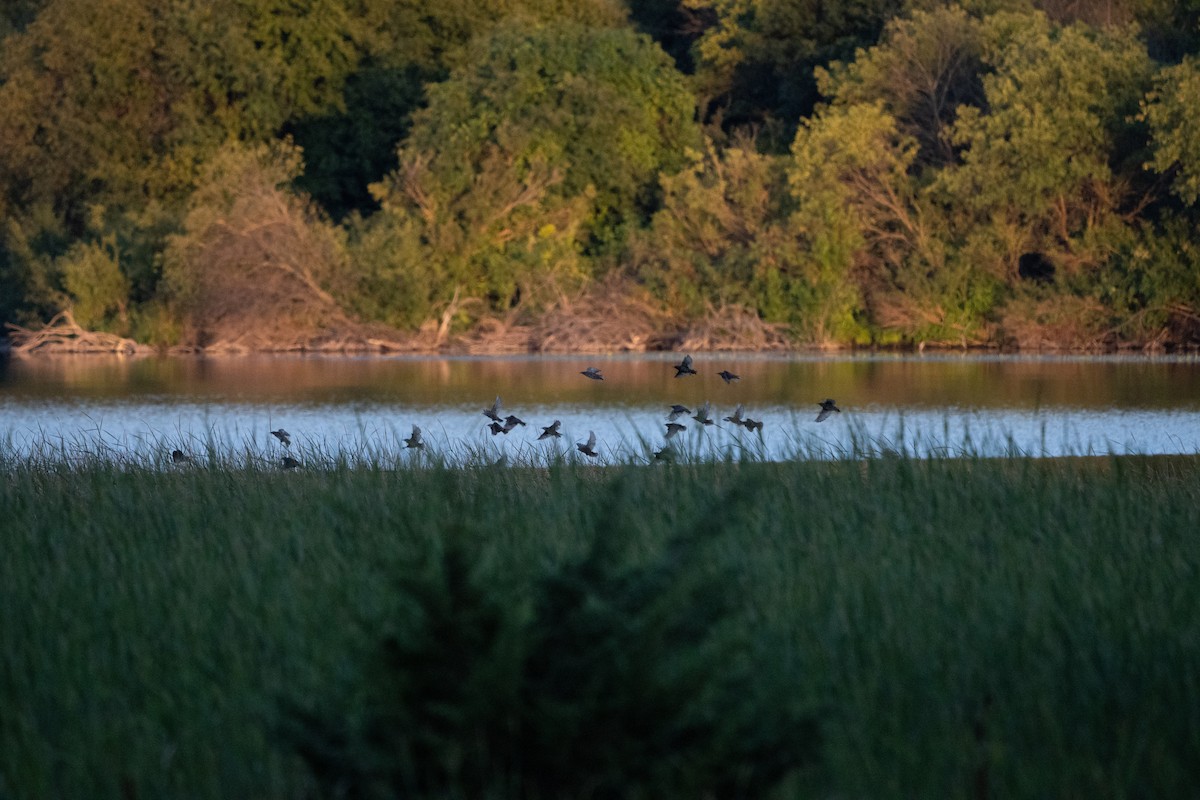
[927, 405]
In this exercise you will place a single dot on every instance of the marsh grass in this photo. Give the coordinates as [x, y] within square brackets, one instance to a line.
[388, 624]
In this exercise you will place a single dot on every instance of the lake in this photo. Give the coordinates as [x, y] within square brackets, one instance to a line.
[942, 404]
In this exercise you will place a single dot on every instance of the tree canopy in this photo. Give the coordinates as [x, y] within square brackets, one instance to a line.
[999, 172]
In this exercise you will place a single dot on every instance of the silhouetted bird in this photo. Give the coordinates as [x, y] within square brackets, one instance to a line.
[684, 367]
[666, 454]
[588, 449]
[551, 430]
[180, 457]
[593, 373]
[827, 408]
[677, 411]
[415, 439]
[289, 463]
[511, 422]
[728, 376]
[493, 413]
[674, 428]
[752, 425]
[701, 416]
[736, 416]
[496, 427]
[283, 436]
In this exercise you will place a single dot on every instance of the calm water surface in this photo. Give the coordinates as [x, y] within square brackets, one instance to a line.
[941, 404]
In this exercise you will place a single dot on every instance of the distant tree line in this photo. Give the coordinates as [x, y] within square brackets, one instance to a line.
[861, 172]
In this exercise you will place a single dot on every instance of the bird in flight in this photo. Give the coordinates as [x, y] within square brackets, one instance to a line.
[827, 408]
[753, 425]
[415, 439]
[701, 416]
[588, 448]
[677, 411]
[180, 457]
[728, 376]
[283, 436]
[550, 430]
[493, 413]
[593, 373]
[512, 421]
[289, 463]
[496, 427]
[736, 416]
[684, 367]
[674, 428]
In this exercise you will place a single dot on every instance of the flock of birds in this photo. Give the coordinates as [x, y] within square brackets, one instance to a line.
[506, 424]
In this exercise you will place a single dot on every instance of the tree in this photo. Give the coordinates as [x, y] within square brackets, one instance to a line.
[536, 158]
[1173, 115]
[1042, 161]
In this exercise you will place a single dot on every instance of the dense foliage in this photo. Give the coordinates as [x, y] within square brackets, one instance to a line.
[864, 172]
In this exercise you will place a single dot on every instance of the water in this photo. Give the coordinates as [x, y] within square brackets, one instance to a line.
[924, 405]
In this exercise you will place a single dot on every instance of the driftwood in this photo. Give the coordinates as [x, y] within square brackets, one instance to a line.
[62, 334]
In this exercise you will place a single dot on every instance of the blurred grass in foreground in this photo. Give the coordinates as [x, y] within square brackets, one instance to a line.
[890, 627]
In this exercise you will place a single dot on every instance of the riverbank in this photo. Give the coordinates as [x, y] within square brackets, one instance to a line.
[884, 628]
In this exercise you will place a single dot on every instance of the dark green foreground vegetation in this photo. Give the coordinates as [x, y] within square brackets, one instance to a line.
[891, 628]
[301, 173]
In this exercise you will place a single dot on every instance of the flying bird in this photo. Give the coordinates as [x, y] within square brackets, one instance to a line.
[551, 430]
[684, 367]
[674, 428]
[677, 411]
[496, 427]
[728, 376]
[588, 448]
[753, 425]
[827, 407]
[415, 439]
[701, 416]
[593, 373]
[289, 463]
[283, 436]
[512, 421]
[666, 454]
[180, 457]
[493, 413]
[736, 416]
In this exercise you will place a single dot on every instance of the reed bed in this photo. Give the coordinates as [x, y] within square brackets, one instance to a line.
[384, 626]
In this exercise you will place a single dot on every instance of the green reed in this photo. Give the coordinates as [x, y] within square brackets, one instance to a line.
[878, 627]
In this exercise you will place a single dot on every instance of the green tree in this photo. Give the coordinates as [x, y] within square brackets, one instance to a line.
[1173, 114]
[1045, 161]
[755, 60]
[534, 159]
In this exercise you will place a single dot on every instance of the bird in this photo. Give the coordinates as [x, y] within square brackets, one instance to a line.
[512, 421]
[415, 439]
[283, 436]
[674, 428]
[701, 416]
[827, 407]
[496, 427]
[677, 411]
[180, 457]
[736, 416]
[289, 463]
[588, 448]
[493, 413]
[752, 425]
[684, 367]
[728, 376]
[593, 373]
[666, 454]
[551, 430]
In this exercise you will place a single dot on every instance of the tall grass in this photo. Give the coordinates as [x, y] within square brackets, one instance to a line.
[861, 628]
